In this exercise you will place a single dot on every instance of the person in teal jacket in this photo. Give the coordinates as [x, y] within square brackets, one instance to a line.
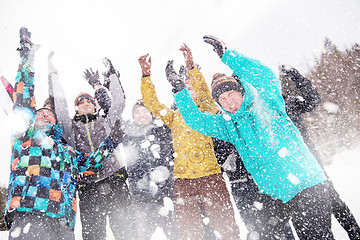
[271, 147]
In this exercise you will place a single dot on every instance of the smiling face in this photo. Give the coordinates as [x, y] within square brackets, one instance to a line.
[231, 101]
[44, 117]
[191, 91]
[85, 106]
[142, 116]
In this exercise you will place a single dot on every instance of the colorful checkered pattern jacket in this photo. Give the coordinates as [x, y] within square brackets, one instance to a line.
[44, 170]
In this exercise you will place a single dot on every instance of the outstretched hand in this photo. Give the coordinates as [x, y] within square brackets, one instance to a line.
[92, 77]
[189, 60]
[218, 45]
[110, 70]
[289, 72]
[109, 67]
[145, 64]
[176, 80]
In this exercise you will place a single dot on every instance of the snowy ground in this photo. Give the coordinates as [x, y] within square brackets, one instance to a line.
[345, 174]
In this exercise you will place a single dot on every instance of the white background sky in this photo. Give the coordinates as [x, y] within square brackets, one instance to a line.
[82, 32]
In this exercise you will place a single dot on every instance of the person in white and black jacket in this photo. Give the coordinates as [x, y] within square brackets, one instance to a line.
[105, 193]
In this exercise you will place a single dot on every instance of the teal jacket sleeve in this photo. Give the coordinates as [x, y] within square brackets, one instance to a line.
[205, 123]
[255, 73]
[252, 71]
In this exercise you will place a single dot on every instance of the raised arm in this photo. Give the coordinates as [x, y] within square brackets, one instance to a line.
[205, 123]
[149, 94]
[203, 95]
[113, 83]
[247, 69]
[310, 97]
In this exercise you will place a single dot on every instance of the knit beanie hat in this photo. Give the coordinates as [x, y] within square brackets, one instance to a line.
[83, 96]
[222, 83]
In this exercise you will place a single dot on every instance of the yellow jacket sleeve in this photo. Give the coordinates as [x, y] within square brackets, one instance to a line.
[204, 99]
[152, 103]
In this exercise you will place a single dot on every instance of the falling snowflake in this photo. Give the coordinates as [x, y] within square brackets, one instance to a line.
[293, 179]
[283, 152]
[258, 205]
[163, 112]
[206, 220]
[226, 117]
[331, 107]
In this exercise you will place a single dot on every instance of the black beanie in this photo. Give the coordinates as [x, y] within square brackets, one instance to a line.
[83, 96]
[222, 83]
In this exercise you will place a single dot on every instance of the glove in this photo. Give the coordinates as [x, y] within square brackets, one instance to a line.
[289, 72]
[25, 42]
[92, 77]
[218, 45]
[110, 70]
[176, 80]
[27, 48]
[117, 133]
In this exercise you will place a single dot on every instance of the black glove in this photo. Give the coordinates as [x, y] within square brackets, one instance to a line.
[290, 72]
[110, 70]
[176, 80]
[25, 42]
[218, 45]
[91, 77]
[117, 133]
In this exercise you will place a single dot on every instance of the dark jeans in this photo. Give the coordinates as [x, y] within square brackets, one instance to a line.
[343, 215]
[30, 226]
[263, 215]
[107, 198]
[310, 211]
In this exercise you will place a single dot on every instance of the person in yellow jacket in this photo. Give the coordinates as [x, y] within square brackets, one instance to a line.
[199, 184]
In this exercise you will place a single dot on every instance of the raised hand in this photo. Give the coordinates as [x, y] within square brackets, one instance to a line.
[145, 64]
[109, 71]
[92, 77]
[218, 45]
[176, 80]
[189, 60]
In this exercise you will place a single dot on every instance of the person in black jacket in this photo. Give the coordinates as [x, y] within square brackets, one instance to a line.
[262, 215]
[105, 193]
[301, 97]
[149, 159]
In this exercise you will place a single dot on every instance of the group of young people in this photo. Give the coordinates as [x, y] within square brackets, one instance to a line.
[165, 167]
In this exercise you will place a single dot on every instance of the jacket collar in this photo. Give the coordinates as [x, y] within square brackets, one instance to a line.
[85, 118]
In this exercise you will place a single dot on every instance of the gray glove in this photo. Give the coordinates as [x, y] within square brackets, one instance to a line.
[92, 77]
[218, 45]
[176, 80]
[110, 70]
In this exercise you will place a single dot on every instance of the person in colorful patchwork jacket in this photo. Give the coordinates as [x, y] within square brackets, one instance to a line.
[199, 185]
[272, 149]
[44, 170]
[103, 193]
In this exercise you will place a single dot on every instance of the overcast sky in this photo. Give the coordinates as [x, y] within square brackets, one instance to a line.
[82, 32]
